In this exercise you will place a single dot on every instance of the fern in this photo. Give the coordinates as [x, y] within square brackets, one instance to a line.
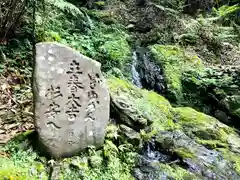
[66, 6]
[226, 10]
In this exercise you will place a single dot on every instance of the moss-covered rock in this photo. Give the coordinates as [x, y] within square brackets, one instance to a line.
[187, 134]
[139, 108]
[174, 62]
[214, 91]
[205, 129]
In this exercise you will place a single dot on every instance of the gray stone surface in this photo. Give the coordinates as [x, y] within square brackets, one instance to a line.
[71, 100]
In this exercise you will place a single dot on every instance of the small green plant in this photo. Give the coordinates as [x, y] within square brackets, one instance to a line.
[21, 164]
[226, 10]
[65, 6]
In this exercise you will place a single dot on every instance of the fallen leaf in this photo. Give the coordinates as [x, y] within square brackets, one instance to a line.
[2, 131]
[5, 86]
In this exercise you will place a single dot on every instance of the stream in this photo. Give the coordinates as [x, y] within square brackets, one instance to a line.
[144, 72]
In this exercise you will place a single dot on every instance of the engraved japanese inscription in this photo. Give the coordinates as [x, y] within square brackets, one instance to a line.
[74, 85]
[53, 108]
[71, 100]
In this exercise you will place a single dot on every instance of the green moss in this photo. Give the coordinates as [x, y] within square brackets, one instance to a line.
[20, 163]
[207, 130]
[187, 115]
[117, 86]
[52, 36]
[190, 117]
[100, 3]
[184, 153]
[111, 162]
[174, 61]
[177, 172]
[153, 106]
[233, 157]
[10, 171]
[212, 144]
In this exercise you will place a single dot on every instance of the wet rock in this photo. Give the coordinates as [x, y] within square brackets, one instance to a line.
[138, 174]
[71, 100]
[146, 165]
[132, 136]
[198, 159]
[190, 144]
[151, 74]
[148, 170]
[151, 152]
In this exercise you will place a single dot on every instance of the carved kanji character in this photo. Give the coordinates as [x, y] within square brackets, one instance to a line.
[74, 83]
[74, 68]
[53, 109]
[92, 95]
[53, 92]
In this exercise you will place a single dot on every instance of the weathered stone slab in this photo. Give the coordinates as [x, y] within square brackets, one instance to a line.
[71, 100]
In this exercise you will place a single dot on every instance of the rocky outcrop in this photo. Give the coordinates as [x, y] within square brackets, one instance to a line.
[150, 72]
[198, 144]
[161, 68]
[218, 88]
[181, 76]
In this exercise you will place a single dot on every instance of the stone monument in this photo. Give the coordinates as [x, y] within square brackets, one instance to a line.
[71, 100]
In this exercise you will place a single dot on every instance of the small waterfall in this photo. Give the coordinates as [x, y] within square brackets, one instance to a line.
[153, 154]
[146, 73]
[135, 75]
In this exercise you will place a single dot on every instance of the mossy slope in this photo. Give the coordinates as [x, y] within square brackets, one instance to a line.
[194, 137]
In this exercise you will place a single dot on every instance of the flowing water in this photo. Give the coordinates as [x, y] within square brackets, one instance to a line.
[135, 75]
[151, 152]
[145, 72]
